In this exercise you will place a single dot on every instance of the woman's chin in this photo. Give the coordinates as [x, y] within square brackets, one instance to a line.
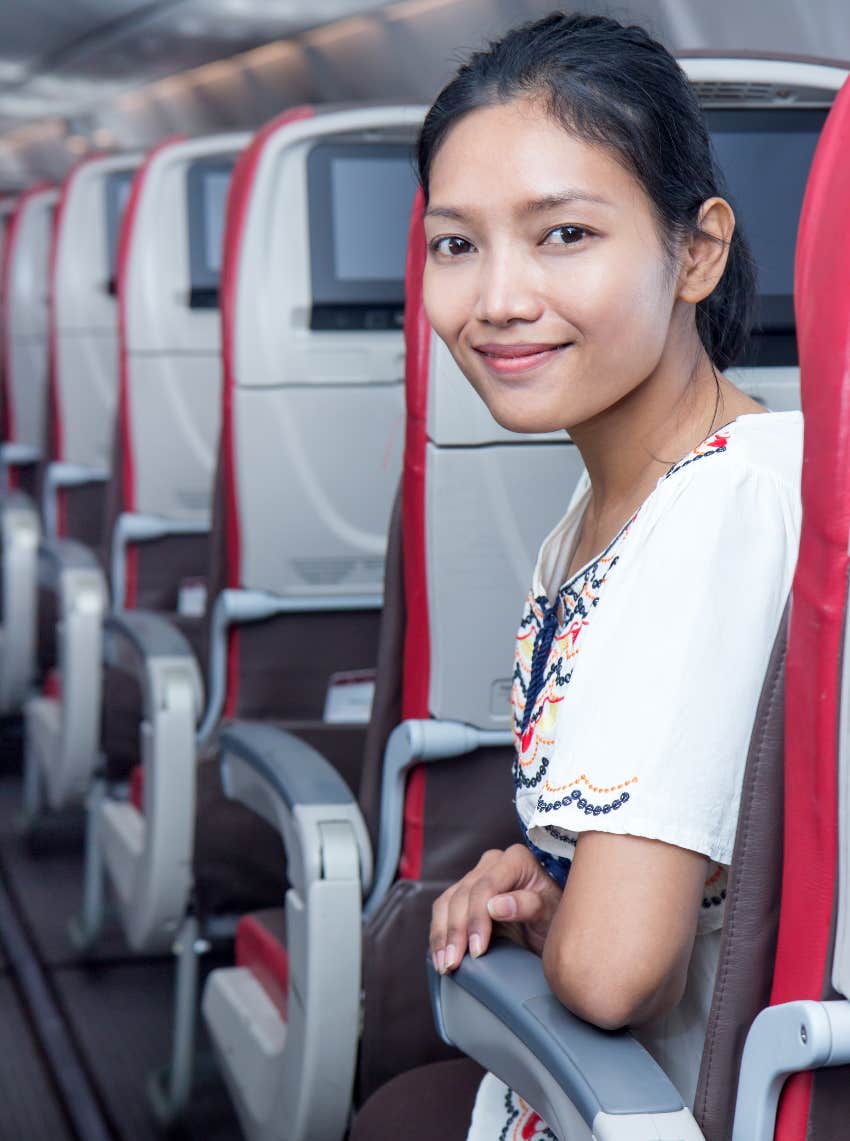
[526, 422]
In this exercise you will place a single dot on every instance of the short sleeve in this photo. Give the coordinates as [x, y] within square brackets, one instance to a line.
[653, 732]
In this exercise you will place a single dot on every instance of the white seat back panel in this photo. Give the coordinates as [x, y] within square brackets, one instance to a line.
[274, 342]
[175, 411]
[26, 318]
[327, 462]
[487, 511]
[159, 273]
[88, 394]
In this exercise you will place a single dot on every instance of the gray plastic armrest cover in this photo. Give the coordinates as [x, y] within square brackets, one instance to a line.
[68, 554]
[146, 634]
[598, 1070]
[294, 770]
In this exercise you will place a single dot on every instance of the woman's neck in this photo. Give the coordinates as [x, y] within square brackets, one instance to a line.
[630, 446]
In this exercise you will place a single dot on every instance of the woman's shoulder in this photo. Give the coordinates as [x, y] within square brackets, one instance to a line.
[759, 450]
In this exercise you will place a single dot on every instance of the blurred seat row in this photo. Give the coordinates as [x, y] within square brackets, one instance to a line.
[263, 553]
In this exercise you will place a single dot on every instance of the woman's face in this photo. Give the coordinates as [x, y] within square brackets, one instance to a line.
[545, 275]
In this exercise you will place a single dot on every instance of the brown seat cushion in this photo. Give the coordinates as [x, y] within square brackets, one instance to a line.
[429, 1103]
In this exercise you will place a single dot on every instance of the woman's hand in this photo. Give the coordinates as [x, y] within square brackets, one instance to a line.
[509, 886]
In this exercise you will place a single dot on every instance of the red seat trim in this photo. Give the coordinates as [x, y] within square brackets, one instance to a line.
[128, 478]
[137, 788]
[417, 646]
[238, 199]
[266, 959]
[803, 960]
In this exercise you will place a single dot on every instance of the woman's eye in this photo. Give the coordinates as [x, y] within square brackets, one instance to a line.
[566, 235]
[451, 246]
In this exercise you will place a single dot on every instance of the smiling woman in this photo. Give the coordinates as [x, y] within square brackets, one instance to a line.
[586, 273]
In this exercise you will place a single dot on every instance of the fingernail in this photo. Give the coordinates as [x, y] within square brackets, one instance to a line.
[502, 907]
[475, 945]
[434, 960]
[451, 952]
[441, 962]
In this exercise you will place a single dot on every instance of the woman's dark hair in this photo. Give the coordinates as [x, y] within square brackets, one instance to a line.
[614, 86]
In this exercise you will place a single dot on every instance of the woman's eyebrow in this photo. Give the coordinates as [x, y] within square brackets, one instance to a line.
[533, 206]
[562, 198]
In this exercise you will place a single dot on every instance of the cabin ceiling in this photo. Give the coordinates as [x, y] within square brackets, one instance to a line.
[83, 74]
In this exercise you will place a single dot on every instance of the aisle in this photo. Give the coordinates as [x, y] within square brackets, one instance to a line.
[113, 1007]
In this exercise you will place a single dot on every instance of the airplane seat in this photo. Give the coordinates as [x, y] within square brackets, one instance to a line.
[159, 500]
[312, 431]
[61, 729]
[780, 1008]
[437, 695]
[338, 395]
[153, 434]
[24, 286]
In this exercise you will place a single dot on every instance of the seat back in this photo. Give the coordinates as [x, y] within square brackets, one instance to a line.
[170, 358]
[813, 953]
[7, 205]
[764, 132]
[25, 276]
[83, 332]
[314, 404]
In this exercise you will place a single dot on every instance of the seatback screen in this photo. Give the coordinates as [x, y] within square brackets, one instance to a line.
[765, 155]
[207, 184]
[117, 189]
[360, 197]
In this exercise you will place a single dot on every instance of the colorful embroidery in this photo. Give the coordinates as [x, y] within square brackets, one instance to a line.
[522, 1123]
[548, 643]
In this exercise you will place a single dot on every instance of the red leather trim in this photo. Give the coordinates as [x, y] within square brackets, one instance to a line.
[12, 230]
[803, 959]
[125, 240]
[417, 649]
[238, 199]
[266, 959]
[52, 686]
[137, 788]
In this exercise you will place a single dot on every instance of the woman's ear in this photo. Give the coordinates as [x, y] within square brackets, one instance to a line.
[707, 251]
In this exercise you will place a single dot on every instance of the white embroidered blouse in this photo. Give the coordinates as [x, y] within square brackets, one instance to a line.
[641, 725]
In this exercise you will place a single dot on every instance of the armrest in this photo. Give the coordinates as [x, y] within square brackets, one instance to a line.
[133, 527]
[20, 528]
[290, 784]
[63, 730]
[144, 643]
[60, 475]
[16, 455]
[499, 1010]
[148, 855]
[56, 556]
[71, 554]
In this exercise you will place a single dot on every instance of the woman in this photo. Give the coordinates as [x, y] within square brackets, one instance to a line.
[586, 274]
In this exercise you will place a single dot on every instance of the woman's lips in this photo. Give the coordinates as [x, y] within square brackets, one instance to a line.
[506, 359]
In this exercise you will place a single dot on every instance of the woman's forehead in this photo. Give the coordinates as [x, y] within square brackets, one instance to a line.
[516, 156]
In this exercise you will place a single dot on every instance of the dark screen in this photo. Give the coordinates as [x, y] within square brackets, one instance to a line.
[360, 201]
[206, 202]
[765, 156]
[118, 184]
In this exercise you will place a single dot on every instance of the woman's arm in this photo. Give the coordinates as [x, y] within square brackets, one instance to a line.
[619, 943]
[615, 943]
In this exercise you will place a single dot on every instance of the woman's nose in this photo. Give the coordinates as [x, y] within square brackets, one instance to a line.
[507, 290]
